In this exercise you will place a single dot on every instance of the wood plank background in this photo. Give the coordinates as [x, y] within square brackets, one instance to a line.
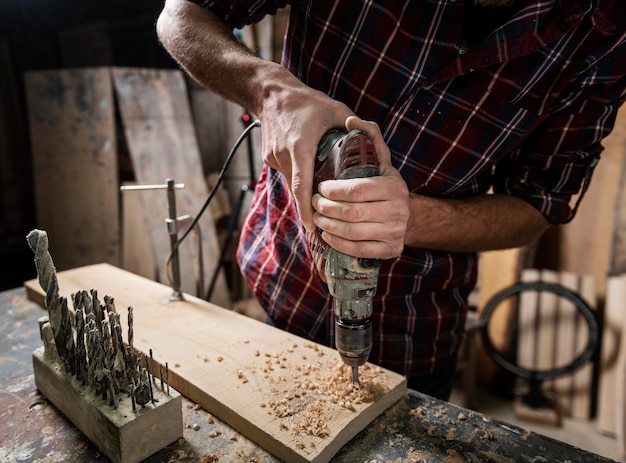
[74, 147]
[551, 333]
[156, 115]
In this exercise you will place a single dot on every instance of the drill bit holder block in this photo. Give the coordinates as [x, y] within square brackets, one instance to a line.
[124, 435]
[107, 389]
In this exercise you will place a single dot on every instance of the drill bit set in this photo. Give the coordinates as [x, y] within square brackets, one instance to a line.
[91, 375]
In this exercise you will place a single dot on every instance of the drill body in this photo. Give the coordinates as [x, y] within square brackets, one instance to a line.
[352, 281]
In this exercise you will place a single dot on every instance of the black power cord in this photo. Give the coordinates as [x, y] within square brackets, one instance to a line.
[244, 134]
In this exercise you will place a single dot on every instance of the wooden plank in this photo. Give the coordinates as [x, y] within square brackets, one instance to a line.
[547, 326]
[208, 110]
[552, 333]
[137, 255]
[620, 375]
[610, 386]
[565, 333]
[527, 314]
[74, 147]
[582, 388]
[245, 372]
[618, 242]
[155, 112]
[497, 270]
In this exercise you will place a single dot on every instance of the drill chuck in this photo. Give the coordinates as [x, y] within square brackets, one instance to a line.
[353, 341]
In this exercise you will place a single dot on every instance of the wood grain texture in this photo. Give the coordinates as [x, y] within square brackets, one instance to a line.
[497, 271]
[155, 112]
[245, 372]
[612, 388]
[552, 333]
[74, 147]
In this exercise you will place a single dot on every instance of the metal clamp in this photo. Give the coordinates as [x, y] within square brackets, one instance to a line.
[173, 225]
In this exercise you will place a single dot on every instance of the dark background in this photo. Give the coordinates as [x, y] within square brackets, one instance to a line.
[56, 34]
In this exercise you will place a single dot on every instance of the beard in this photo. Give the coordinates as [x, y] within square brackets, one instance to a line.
[493, 2]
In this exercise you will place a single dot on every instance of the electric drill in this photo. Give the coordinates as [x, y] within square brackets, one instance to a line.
[351, 280]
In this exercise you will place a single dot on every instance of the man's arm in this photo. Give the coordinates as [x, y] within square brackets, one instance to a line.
[293, 116]
[480, 223]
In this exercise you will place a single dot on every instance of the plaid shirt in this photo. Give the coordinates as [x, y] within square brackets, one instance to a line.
[521, 112]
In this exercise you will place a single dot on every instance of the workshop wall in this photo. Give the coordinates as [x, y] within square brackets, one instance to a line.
[56, 34]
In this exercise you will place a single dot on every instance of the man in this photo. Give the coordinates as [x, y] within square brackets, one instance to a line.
[487, 118]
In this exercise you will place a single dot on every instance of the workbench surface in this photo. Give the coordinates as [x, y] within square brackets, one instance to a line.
[416, 429]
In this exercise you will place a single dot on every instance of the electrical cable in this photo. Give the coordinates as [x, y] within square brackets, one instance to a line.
[244, 134]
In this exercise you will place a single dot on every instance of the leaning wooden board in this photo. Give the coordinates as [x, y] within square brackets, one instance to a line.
[75, 171]
[155, 112]
[269, 385]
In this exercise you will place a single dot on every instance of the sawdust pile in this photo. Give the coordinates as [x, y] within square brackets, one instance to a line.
[306, 395]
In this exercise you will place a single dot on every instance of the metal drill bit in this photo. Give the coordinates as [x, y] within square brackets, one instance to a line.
[46, 274]
[355, 374]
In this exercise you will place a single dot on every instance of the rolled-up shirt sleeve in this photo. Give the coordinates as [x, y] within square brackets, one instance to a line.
[552, 168]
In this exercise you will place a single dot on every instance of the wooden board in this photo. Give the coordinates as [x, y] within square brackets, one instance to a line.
[136, 253]
[74, 147]
[245, 372]
[497, 271]
[611, 386]
[551, 333]
[156, 116]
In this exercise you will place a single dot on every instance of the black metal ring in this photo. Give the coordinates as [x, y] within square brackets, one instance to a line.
[560, 290]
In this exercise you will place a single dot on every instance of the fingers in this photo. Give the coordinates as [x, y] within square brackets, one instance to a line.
[390, 244]
[363, 217]
[302, 186]
[373, 131]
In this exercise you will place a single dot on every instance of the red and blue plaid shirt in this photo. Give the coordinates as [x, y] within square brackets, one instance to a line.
[521, 112]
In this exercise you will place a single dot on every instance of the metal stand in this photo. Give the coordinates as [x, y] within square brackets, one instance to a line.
[174, 225]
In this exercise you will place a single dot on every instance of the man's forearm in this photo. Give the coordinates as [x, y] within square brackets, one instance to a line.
[480, 223]
[209, 51]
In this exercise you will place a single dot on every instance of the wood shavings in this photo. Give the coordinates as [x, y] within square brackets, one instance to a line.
[214, 433]
[210, 458]
[316, 393]
[242, 376]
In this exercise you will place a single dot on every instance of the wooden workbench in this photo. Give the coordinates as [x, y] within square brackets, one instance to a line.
[416, 429]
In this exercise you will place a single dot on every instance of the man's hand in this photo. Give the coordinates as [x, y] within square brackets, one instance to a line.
[294, 118]
[365, 217]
